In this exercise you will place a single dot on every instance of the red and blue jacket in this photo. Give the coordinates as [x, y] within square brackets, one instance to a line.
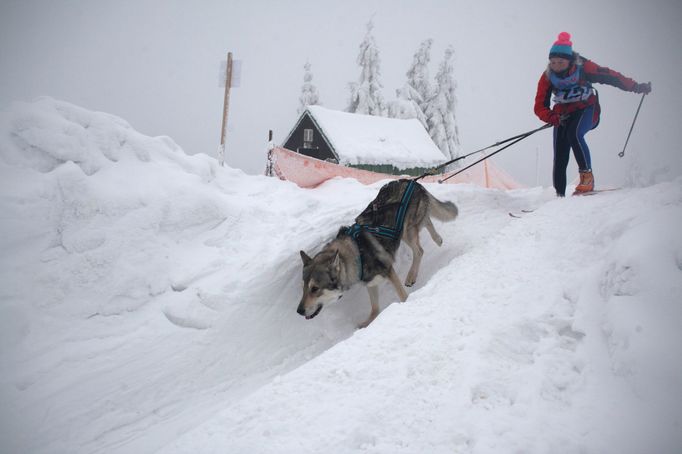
[574, 91]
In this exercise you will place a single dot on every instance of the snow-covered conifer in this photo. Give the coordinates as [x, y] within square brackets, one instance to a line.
[413, 97]
[440, 110]
[418, 74]
[309, 95]
[365, 95]
[407, 105]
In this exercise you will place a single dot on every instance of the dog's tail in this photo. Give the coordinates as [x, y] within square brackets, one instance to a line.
[443, 211]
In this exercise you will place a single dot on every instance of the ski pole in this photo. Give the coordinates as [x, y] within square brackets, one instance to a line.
[622, 153]
[519, 136]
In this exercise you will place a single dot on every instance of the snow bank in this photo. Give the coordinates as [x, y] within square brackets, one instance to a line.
[559, 334]
[97, 190]
[124, 263]
[148, 305]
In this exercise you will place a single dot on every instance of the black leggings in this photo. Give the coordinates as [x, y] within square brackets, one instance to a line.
[569, 135]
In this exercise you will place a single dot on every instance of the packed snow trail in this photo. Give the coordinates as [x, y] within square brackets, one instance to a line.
[144, 289]
[553, 336]
[149, 295]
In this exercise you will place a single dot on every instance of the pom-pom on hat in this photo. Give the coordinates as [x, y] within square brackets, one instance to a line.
[562, 47]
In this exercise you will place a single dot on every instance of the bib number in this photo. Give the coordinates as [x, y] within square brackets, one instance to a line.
[573, 94]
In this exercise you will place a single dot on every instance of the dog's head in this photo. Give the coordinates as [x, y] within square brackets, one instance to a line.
[320, 282]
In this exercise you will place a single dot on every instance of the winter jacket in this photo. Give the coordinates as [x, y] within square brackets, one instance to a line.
[589, 72]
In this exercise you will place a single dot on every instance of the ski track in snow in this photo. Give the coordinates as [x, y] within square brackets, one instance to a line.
[149, 305]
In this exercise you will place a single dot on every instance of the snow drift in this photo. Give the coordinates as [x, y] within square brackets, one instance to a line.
[148, 305]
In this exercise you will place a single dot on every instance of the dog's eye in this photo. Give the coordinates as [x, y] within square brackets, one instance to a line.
[314, 289]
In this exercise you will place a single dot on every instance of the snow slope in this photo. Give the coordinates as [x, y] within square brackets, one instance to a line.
[148, 305]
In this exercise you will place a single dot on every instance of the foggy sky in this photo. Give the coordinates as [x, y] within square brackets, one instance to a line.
[156, 64]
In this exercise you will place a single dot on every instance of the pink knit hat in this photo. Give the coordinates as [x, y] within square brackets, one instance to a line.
[562, 47]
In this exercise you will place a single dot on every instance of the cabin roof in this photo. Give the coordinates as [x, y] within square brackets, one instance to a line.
[367, 139]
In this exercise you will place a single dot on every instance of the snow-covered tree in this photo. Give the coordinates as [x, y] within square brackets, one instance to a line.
[365, 95]
[309, 95]
[412, 98]
[407, 105]
[418, 74]
[440, 109]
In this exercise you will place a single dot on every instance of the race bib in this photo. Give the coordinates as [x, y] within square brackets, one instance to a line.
[572, 94]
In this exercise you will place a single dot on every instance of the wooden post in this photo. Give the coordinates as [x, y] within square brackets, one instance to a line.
[268, 166]
[226, 104]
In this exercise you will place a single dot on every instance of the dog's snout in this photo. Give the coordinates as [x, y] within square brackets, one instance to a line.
[301, 309]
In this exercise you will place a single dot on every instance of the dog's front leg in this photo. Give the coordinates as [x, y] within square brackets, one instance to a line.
[412, 240]
[374, 301]
[399, 289]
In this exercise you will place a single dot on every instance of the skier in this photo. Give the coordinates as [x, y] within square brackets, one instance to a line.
[569, 77]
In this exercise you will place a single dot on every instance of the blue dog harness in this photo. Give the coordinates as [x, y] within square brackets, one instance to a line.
[392, 233]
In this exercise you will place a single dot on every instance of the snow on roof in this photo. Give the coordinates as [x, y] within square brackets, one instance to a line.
[368, 139]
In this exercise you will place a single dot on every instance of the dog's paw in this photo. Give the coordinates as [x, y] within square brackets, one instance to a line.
[369, 320]
[410, 280]
[365, 324]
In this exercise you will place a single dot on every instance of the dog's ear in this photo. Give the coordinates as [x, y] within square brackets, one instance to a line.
[305, 258]
[336, 262]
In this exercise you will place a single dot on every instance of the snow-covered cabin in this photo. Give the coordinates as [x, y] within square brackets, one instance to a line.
[379, 144]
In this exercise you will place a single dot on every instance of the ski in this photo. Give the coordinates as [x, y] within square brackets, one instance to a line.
[519, 216]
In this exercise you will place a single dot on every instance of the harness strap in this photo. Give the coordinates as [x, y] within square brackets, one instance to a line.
[392, 233]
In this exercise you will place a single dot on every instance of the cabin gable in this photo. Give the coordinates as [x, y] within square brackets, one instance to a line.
[308, 139]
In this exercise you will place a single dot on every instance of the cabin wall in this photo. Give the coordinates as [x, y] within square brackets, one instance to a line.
[317, 148]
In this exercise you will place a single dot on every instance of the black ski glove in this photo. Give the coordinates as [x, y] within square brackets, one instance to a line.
[642, 88]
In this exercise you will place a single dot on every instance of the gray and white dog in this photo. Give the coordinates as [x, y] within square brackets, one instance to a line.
[365, 252]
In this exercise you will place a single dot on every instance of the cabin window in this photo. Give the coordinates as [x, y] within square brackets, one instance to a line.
[307, 135]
